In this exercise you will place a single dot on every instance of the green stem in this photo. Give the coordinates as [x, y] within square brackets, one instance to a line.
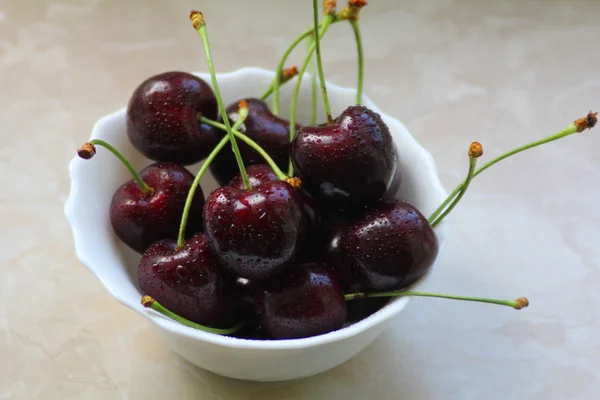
[282, 79]
[569, 130]
[327, 20]
[148, 301]
[516, 304]
[472, 165]
[243, 114]
[250, 143]
[277, 81]
[267, 92]
[361, 60]
[143, 185]
[188, 202]
[200, 26]
[313, 83]
[320, 61]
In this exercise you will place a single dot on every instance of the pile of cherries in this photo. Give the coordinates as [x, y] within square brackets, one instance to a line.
[270, 255]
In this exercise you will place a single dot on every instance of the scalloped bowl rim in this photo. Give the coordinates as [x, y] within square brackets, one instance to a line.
[383, 315]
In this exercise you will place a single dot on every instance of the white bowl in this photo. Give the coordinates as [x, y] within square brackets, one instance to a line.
[93, 183]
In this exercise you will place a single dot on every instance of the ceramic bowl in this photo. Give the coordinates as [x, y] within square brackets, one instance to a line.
[93, 183]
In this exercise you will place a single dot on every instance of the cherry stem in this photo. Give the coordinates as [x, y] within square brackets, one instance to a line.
[317, 40]
[250, 143]
[327, 20]
[313, 84]
[361, 60]
[149, 302]
[200, 27]
[475, 151]
[277, 81]
[517, 304]
[147, 190]
[286, 75]
[579, 125]
[243, 114]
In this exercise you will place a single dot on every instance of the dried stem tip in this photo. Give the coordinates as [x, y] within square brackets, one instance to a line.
[87, 151]
[197, 18]
[352, 9]
[288, 73]
[475, 150]
[522, 302]
[329, 7]
[296, 183]
[587, 122]
[243, 104]
[147, 301]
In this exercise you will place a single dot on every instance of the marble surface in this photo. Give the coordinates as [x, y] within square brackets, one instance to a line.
[502, 73]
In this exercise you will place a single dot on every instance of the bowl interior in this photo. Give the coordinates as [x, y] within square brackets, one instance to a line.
[93, 183]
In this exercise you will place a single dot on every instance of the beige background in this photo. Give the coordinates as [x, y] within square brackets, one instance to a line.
[501, 72]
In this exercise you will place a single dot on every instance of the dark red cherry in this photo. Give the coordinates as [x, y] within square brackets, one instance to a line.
[162, 118]
[257, 175]
[140, 219]
[306, 300]
[188, 281]
[326, 247]
[348, 164]
[266, 129]
[257, 232]
[390, 247]
[261, 173]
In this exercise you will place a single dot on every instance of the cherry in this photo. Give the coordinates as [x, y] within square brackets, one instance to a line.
[267, 130]
[326, 247]
[348, 164]
[139, 219]
[330, 235]
[306, 300]
[148, 207]
[261, 173]
[188, 281]
[162, 118]
[256, 232]
[257, 175]
[390, 247]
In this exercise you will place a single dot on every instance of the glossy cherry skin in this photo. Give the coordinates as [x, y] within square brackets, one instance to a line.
[307, 300]
[187, 281]
[257, 175]
[140, 220]
[331, 232]
[261, 173]
[162, 118]
[255, 233]
[266, 129]
[390, 247]
[349, 164]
